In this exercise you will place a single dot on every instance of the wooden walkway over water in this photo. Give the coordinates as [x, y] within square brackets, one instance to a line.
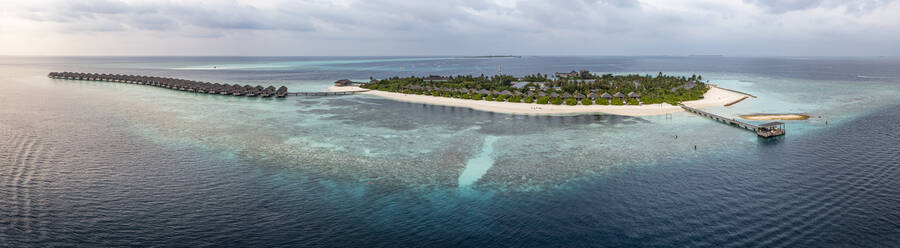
[719, 118]
[767, 130]
[325, 93]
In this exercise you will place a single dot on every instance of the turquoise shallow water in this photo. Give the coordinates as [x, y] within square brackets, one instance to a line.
[102, 164]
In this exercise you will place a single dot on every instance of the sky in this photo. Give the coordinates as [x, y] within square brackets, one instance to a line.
[450, 27]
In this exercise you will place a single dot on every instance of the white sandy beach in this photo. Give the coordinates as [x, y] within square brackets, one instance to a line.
[714, 97]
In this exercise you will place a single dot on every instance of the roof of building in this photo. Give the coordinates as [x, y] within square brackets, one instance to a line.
[520, 85]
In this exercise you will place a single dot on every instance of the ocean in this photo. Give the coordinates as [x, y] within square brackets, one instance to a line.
[98, 164]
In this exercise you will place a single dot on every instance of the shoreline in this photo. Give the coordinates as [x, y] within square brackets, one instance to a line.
[716, 96]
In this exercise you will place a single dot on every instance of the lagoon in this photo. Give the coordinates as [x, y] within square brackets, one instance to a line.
[101, 164]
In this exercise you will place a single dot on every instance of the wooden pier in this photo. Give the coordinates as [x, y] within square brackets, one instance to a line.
[326, 93]
[767, 130]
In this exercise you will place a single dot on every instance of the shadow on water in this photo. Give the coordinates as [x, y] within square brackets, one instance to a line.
[773, 141]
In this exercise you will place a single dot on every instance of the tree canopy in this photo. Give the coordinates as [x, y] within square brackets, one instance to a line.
[652, 89]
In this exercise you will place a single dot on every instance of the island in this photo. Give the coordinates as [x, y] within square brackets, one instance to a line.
[560, 93]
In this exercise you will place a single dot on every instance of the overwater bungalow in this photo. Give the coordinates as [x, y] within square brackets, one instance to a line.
[246, 89]
[255, 91]
[237, 90]
[268, 91]
[281, 92]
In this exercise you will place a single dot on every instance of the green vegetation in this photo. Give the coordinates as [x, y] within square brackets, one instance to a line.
[652, 89]
[528, 99]
[586, 102]
[617, 101]
[556, 101]
[602, 101]
[543, 100]
[571, 101]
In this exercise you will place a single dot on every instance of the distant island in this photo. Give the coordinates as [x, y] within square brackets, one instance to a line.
[491, 56]
[562, 92]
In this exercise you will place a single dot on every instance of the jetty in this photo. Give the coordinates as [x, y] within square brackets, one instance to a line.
[766, 130]
[335, 93]
[193, 86]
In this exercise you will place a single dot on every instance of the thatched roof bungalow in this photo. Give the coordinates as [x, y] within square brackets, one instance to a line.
[579, 96]
[634, 95]
[606, 96]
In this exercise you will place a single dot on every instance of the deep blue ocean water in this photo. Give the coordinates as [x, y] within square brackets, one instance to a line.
[93, 164]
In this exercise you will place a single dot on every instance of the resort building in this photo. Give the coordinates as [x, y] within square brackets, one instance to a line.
[573, 73]
[343, 82]
[435, 78]
[771, 129]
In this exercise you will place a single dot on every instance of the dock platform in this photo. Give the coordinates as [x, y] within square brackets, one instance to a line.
[767, 130]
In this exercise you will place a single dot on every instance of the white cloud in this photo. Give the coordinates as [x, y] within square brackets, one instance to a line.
[471, 27]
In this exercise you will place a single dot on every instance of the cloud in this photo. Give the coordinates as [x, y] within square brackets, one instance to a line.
[407, 27]
[783, 6]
